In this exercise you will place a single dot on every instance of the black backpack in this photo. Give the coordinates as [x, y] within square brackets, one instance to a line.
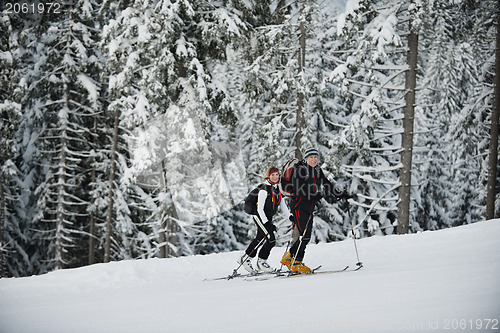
[251, 200]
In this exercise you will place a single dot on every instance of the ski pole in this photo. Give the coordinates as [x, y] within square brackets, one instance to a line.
[286, 250]
[287, 246]
[359, 263]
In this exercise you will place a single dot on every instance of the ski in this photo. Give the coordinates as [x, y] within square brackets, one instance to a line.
[346, 269]
[238, 275]
[313, 272]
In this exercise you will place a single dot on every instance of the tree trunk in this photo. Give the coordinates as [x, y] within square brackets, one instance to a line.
[61, 195]
[59, 255]
[109, 218]
[92, 214]
[493, 158]
[300, 123]
[162, 235]
[3, 271]
[407, 137]
[168, 233]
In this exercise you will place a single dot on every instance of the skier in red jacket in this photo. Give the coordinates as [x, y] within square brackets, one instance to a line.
[307, 178]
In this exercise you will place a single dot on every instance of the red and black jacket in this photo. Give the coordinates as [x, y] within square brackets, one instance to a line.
[306, 182]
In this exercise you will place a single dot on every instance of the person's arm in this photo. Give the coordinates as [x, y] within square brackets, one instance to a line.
[328, 186]
[261, 201]
[338, 193]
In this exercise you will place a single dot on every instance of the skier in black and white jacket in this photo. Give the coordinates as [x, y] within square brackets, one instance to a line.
[268, 200]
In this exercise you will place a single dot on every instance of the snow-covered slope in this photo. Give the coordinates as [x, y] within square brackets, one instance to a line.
[424, 282]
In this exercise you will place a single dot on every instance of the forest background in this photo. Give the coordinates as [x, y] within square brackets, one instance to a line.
[135, 129]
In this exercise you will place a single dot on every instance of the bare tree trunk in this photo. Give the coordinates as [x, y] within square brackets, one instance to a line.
[162, 235]
[493, 158]
[407, 137]
[61, 206]
[61, 196]
[300, 123]
[92, 214]
[168, 233]
[162, 239]
[3, 271]
[109, 218]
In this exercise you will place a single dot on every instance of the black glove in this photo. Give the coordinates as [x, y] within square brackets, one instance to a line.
[344, 205]
[317, 196]
[292, 218]
[270, 227]
[347, 196]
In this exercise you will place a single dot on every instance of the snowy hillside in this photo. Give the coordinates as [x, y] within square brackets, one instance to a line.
[433, 281]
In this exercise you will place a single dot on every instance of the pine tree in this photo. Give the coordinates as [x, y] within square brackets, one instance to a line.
[11, 233]
[68, 98]
[369, 71]
[433, 120]
[493, 152]
[454, 89]
[469, 127]
[160, 81]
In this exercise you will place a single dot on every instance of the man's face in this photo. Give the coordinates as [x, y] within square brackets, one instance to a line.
[312, 161]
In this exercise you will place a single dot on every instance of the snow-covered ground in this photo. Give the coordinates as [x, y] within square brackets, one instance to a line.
[445, 281]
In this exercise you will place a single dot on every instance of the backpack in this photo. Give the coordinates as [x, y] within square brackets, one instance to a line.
[251, 200]
[286, 186]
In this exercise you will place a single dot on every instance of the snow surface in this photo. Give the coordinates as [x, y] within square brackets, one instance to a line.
[425, 282]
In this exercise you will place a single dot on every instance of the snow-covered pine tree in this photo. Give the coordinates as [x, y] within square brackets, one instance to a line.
[160, 55]
[471, 119]
[370, 71]
[453, 103]
[67, 97]
[221, 28]
[434, 201]
[270, 101]
[29, 248]
[126, 231]
[11, 231]
[327, 113]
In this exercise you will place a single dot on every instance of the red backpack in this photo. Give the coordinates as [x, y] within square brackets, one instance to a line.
[286, 186]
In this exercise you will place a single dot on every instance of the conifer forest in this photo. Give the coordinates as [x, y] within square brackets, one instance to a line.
[135, 128]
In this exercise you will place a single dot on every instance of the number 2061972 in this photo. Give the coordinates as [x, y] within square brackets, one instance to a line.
[471, 324]
[32, 8]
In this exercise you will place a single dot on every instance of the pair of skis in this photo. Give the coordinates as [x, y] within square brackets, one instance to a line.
[286, 275]
[262, 276]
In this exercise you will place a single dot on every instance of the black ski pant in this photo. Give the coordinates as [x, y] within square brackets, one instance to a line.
[303, 214]
[267, 245]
